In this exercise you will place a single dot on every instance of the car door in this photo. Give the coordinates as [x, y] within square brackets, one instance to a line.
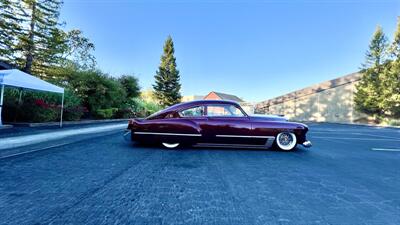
[181, 126]
[194, 119]
[227, 124]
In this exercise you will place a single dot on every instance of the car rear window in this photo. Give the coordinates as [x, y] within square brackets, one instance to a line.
[192, 112]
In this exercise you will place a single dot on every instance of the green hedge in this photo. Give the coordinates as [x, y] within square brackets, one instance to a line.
[36, 106]
[105, 113]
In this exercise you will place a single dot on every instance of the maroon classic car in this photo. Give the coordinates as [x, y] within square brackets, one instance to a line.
[217, 123]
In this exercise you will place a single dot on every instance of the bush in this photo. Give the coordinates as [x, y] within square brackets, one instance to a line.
[142, 108]
[37, 106]
[125, 113]
[73, 110]
[131, 85]
[38, 111]
[74, 113]
[97, 90]
[105, 113]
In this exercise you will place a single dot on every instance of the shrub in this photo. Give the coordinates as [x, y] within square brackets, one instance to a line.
[125, 112]
[131, 85]
[105, 113]
[142, 108]
[38, 110]
[74, 113]
[97, 90]
[36, 106]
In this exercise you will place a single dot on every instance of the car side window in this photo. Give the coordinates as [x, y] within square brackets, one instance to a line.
[224, 110]
[192, 112]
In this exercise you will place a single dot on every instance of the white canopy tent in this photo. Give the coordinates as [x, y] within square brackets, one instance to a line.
[17, 78]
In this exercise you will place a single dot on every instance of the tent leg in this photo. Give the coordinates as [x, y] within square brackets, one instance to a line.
[1, 103]
[62, 110]
[20, 97]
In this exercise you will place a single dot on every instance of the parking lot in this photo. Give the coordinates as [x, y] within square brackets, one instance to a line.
[350, 176]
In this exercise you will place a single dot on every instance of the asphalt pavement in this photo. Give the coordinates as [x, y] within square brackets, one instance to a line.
[350, 176]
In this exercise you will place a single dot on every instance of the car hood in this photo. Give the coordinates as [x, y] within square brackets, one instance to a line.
[268, 118]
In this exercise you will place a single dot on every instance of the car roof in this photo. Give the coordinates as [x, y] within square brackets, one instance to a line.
[184, 105]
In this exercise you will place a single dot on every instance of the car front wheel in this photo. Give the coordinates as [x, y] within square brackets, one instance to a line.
[170, 145]
[286, 141]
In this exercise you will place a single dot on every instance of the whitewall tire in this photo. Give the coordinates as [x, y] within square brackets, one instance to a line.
[170, 145]
[286, 141]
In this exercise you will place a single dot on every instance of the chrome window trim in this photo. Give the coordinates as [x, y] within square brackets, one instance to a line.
[244, 136]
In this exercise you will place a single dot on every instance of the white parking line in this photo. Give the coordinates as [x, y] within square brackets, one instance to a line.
[386, 149]
[360, 139]
[374, 135]
[35, 150]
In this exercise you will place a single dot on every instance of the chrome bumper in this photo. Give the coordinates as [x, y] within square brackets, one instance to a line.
[127, 135]
[307, 144]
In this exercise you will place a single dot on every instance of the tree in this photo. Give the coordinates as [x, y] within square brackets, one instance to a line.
[32, 38]
[368, 97]
[40, 28]
[66, 49]
[391, 78]
[167, 80]
[394, 50]
[376, 53]
[131, 85]
[391, 89]
[9, 29]
[96, 89]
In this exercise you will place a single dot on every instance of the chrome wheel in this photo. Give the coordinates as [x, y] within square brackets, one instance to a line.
[170, 145]
[286, 141]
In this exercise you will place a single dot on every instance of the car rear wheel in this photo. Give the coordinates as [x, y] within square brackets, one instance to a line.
[286, 141]
[170, 145]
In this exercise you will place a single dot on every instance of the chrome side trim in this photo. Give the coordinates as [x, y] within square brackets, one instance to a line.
[228, 145]
[169, 134]
[126, 136]
[243, 136]
[270, 142]
[307, 144]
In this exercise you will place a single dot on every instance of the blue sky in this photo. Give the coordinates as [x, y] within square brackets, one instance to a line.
[253, 49]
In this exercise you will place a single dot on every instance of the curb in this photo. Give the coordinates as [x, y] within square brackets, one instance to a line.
[82, 122]
[6, 126]
[25, 140]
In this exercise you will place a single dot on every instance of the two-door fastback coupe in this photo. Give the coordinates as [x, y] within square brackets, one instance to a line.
[216, 123]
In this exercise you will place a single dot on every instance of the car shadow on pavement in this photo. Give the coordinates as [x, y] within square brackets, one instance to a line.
[153, 147]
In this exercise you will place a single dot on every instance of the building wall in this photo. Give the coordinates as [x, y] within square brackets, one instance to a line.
[333, 104]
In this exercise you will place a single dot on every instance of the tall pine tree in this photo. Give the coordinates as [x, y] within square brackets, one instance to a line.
[377, 50]
[368, 97]
[41, 18]
[167, 80]
[391, 78]
[32, 39]
[394, 50]
[10, 28]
